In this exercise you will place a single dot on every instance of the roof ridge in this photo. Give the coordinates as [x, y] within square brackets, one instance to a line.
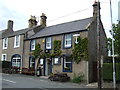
[68, 22]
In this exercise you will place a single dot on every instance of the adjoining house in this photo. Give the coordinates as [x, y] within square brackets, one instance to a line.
[65, 33]
[12, 42]
[17, 46]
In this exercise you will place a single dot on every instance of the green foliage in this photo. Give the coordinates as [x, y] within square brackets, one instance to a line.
[6, 64]
[108, 71]
[78, 79]
[57, 48]
[116, 36]
[37, 53]
[80, 50]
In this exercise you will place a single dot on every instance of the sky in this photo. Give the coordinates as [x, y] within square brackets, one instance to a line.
[57, 11]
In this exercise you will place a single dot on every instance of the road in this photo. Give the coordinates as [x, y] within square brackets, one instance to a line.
[26, 81]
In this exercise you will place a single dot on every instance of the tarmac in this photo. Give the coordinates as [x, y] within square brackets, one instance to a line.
[94, 84]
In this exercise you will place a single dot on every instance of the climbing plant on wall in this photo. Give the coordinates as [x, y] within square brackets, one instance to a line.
[80, 50]
[38, 52]
[57, 48]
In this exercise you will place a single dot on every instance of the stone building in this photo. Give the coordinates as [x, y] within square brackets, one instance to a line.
[12, 42]
[65, 32]
[17, 46]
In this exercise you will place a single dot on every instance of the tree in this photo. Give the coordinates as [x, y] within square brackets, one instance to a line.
[37, 53]
[116, 36]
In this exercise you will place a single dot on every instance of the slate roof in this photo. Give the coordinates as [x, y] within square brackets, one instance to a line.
[63, 28]
[22, 31]
[1, 33]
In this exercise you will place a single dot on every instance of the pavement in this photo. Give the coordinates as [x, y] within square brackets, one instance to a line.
[94, 84]
[44, 80]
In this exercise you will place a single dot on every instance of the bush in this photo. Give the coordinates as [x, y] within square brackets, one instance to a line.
[110, 59]
[6, 64]
[108, 71]
[78, 79]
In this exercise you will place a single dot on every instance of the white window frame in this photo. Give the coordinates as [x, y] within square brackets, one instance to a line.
[5, 43]
[3, 57]
[66, 39]
[32, 45]
[32, 61]
[48, 43]
[16, 63]
[17, 41]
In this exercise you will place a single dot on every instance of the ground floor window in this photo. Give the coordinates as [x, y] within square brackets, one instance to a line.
[16, 61]
[31, 62]
[67, 64]
[4, 57]
[57, 60]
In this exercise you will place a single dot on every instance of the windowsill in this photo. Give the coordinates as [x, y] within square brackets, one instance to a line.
[4, 48]
[48, 48]
[16, 46]
[67, 47]
[67, 70]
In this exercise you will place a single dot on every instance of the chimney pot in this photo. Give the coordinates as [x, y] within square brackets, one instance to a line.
[96, 6]
[43, 19]
[10, 25]
[32, 21]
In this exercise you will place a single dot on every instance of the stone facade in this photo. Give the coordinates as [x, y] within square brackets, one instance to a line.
[86, 28]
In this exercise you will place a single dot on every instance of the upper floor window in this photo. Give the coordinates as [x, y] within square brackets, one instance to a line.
[5, 43]
[32, 46]
[68, 41]
[4, 57]
[17, 41]
[48, 43]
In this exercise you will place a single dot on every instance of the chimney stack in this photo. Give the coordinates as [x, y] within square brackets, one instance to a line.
[32, 21]
[96, 7]
[43, 20]
[10, 26]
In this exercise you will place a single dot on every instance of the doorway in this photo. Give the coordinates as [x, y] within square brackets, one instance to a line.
[48, 66]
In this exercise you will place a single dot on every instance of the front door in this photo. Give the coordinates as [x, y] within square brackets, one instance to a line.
[48, 66]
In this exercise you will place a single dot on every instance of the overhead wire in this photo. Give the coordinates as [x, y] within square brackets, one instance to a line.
[74, 12]
[70, 14]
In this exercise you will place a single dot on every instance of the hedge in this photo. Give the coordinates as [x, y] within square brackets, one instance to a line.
[108, 71]
[6, 64]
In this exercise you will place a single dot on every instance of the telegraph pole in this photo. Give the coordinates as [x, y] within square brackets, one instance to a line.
[98, 46]
[113, 56]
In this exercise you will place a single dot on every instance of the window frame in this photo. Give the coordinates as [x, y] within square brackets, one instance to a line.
[33, 62]
[16, 61]
[32, 42]
[66, 39]
[50, 42]
[5, 43]
[5, 57]
[59, 60]
[66, 62]
[17, 41]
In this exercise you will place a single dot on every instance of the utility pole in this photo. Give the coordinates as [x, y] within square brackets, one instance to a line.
[113, 56]
[98, 46]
